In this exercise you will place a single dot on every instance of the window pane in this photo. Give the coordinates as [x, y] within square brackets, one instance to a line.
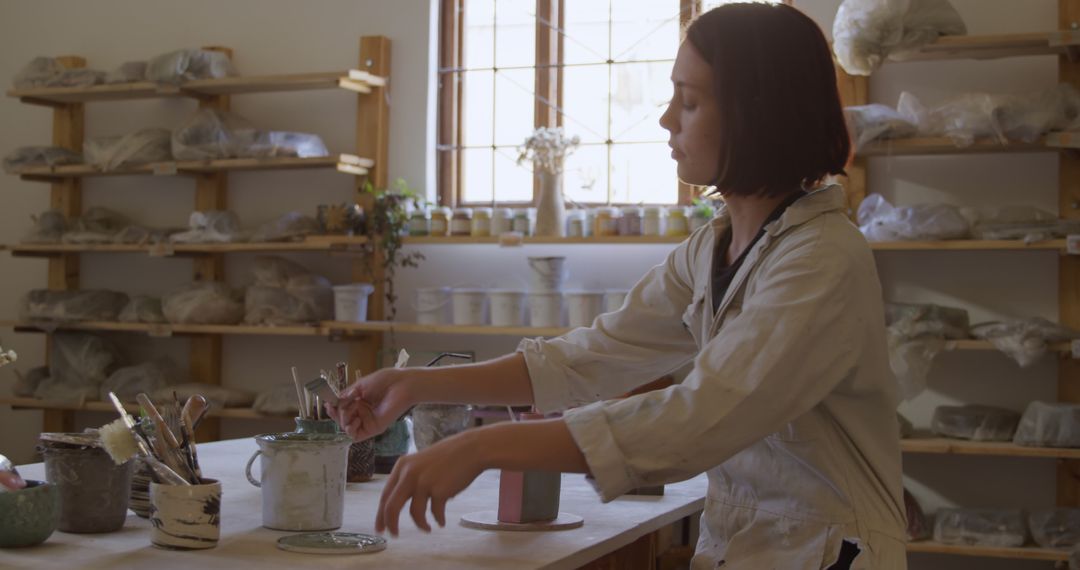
[476, 166]
[645, 30]
[585, 174]
[643, 173]
[639, 95]
[476, 119]
[515, 98]
[515, 35]
[585, 37]
[585, 102]
[513, 183]
[479, 33]
[707, 5]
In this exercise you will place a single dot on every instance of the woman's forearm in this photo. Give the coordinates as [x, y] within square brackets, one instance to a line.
[502, 381]
[542, 445]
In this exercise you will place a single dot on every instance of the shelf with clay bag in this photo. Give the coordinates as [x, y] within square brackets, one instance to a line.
[345, 163]
[997, 46]
[338, 328]
[926, 146]
[107, 407]
[941, 445]
[1017, 553]
[351, 80]
[337, 243]
[163, 330]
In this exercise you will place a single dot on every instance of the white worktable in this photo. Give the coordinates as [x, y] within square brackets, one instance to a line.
[246, 544]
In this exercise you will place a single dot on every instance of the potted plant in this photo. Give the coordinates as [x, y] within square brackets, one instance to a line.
[386, 226]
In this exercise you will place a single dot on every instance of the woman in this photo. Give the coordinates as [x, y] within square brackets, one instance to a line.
[789, 406]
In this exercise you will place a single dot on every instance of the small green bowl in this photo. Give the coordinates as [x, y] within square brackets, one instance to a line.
[28, 516]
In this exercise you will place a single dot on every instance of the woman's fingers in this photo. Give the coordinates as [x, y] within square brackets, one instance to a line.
[418, 508]
[438, 509]
[395, 501]
[391, 482]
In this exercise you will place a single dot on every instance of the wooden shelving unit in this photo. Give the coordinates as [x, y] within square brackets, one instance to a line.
[1065, 45]
[367, 163]
[35, 404]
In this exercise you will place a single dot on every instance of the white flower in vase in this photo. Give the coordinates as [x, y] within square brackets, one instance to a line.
[7, 357]
[548, 148]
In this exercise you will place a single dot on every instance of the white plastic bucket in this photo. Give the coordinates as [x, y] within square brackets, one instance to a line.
[507, 307]
[432, 305]
[548, 273]
[583, 307]
[545, 308]
[469, 306]
[614, 299]
[350, 302]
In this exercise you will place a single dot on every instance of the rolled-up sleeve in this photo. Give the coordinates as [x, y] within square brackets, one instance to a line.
[622, 350]
[790, 346]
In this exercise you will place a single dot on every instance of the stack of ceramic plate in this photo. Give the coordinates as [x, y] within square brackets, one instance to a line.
[139, 501]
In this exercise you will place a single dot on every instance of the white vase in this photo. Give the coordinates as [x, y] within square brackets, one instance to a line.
[550, 210]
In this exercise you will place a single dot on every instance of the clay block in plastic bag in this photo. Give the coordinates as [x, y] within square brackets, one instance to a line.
[274, 271]
[140, 147]
[30, 156]
[148, 377]
[881, 221]
[141, 235]
[186, 64]
[142, 309]
[1055, 528]
[269, 144]
[96, 225]
[211, 134]
[78, 365]
[1049, 425]
[286, 293]
[907, 429]
[279, 400]
[217, 396]
[916, 335]
[127, 72]
[204, 303]
[49, 227]
[915, 320]
[962, 118]
[216, 226]
[877, 122]
[290, 227]
[70, 306]
[977, 423]
[981, 527]
[37, 73]
[868, 32]
[1025, 341]
[27, 384]
[917, 526]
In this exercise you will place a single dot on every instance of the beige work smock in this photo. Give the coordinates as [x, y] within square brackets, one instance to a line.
[790, 406]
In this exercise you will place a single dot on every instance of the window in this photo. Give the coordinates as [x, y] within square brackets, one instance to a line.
[598, 68]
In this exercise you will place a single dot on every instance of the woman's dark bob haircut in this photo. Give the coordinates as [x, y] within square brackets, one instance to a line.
[781, 122]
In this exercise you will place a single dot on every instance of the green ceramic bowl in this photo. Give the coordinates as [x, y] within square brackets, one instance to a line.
[28, 516]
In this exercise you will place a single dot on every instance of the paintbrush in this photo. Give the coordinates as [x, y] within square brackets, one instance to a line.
[122, 442]
[167, 446]
[193, 408]
[300, 403]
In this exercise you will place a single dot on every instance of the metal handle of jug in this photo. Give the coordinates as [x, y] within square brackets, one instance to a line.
[247, 470]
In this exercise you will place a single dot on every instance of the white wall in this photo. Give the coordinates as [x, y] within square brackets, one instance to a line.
[271, 36]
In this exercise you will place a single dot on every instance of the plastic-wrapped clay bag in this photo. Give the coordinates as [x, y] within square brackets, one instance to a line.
[1055, 528]
[37, 73]
[867, 32]
[1025, 341]
[274, 271]
[982, 527]
[147, 377]
[977, 423]
[187, 64]
[873, 122]
[915, 335]
[1049, 425]
[917, 526]
[915, 320]
[286, 293]
[139, 147]
[49, 227]
[69, 306]
[26, 385]
[881, 221]
[279, 400]
[78, 365]
[204, 303]
[29, 156]
[218, 226]
[127, 72]
[434, 422]
[211, 134]
[142, 309]
[963, 118]
[907, 429]
[96, 225]
[268, 144]
[217, 396]
[290, 227]
[1016, 222]
[141, 235]
[1027, 117]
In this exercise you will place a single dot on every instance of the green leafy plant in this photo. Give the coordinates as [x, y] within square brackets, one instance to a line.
[387, 224]
[703, 207]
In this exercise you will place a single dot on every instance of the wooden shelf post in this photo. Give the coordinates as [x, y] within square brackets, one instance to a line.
[854, 90]
[1069, 266]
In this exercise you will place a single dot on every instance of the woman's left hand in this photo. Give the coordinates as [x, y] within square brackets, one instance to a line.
[435, 474]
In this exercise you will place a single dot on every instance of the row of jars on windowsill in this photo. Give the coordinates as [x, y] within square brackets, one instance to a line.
[580, 223]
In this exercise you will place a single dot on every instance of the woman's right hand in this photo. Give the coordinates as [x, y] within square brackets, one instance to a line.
[372, 403]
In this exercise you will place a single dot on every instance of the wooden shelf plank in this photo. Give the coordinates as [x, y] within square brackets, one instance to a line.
[996, 46]
[202, 88]
[945, 146]
[940, 445]
[467, 240]
[342, 162]
[969, 245]
[165, 330]
[1021, 553]
[337, 327]
[166, 250]
[36, 404]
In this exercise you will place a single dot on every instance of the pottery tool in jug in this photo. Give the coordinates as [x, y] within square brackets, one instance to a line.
[173, 460]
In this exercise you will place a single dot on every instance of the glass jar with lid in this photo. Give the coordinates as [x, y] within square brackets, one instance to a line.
[461, 223]
[502, 221]
[440, 222]
[523, 221]
[576, 225]
[652, 224]
[677, 223]
[630, 221]
[481, 222]
[606, 222]
[419, 222]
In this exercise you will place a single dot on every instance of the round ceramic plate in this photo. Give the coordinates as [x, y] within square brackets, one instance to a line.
[332, 543]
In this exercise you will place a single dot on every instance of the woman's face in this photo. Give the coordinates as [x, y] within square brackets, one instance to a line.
[692, 119]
